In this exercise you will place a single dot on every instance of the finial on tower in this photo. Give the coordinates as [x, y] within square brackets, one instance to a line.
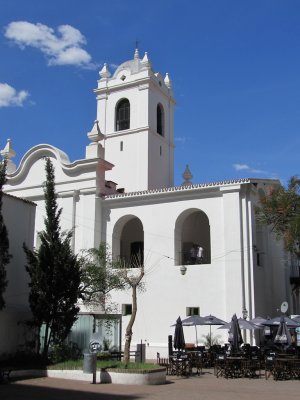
[168, 81]
[145, 61]
[104, 73]
[95, 135]
[136, 53]
[7, 153]
[187, 176]
[95, 149]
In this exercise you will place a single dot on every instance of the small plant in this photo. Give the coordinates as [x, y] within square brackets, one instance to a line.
[62, 352]
[211, 340]
[106, 344]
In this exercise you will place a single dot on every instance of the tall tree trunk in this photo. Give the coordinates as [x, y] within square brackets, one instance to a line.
[128, 334]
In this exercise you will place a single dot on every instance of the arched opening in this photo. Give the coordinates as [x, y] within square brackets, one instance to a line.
[160, 119]
[192, 238]
[128, 240]
[123, 115]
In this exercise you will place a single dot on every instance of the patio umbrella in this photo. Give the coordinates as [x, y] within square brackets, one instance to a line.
[193, 320]
[296, 319]
[259, 321]
[212, 320]
[277, 320]
[235, 336]
[243, 324]
[179, 342]
[283, 335]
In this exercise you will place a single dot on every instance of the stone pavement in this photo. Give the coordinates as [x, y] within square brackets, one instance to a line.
[205, 387]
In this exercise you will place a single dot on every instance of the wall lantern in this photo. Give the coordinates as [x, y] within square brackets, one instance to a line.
[245, 313]
[183, 270]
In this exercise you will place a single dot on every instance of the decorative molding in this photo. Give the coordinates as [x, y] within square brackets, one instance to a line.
[188, 189]
[144, 87]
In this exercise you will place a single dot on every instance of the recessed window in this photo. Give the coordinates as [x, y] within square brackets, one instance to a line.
[126, 309]
[123, 115]
[121, 146]
[123, 77]
[159, 83]
[160, 119]
[192, 311]
[258, 262]
[192, 238]
[160, 151]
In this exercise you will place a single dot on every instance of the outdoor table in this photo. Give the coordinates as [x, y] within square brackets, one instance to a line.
[233, 367]
[251, 367]
[286, 368]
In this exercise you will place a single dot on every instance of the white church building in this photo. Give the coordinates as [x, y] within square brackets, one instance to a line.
[19, 218]
[202, 247]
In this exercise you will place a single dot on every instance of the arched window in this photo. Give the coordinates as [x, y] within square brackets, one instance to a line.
[128, 240]
[123, 115]
[160, 119]
[192, 238]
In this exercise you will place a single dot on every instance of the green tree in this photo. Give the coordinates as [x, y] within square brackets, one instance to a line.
[54, 273]
[132, 278]
[280, 209]
[99, 276]
[4, 242]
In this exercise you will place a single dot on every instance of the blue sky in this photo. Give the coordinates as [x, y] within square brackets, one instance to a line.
[234, 65]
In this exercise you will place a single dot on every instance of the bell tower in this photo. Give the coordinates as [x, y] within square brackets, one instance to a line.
[135, 110]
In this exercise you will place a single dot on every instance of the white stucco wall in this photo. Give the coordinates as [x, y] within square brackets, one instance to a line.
[19, 219]
[226, 286]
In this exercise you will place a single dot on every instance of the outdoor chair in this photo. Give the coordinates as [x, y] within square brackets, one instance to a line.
[219, 367]
[295, 368]
[5, 374]
[196, 362]
[180, 365]
[164, 362]
[251, 368]
[282, 369]
[269, 362]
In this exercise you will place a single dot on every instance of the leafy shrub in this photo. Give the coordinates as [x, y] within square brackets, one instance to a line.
[65, 351]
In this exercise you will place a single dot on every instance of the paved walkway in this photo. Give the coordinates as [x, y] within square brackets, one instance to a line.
[206, 387]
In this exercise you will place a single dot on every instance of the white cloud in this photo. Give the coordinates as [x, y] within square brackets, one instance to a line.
[245, 167]
[240, 167]
[63, 47]
[10, 97]
[180, 139]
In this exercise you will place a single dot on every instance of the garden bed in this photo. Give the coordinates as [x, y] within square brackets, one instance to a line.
[154, 376]
[107, 372]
